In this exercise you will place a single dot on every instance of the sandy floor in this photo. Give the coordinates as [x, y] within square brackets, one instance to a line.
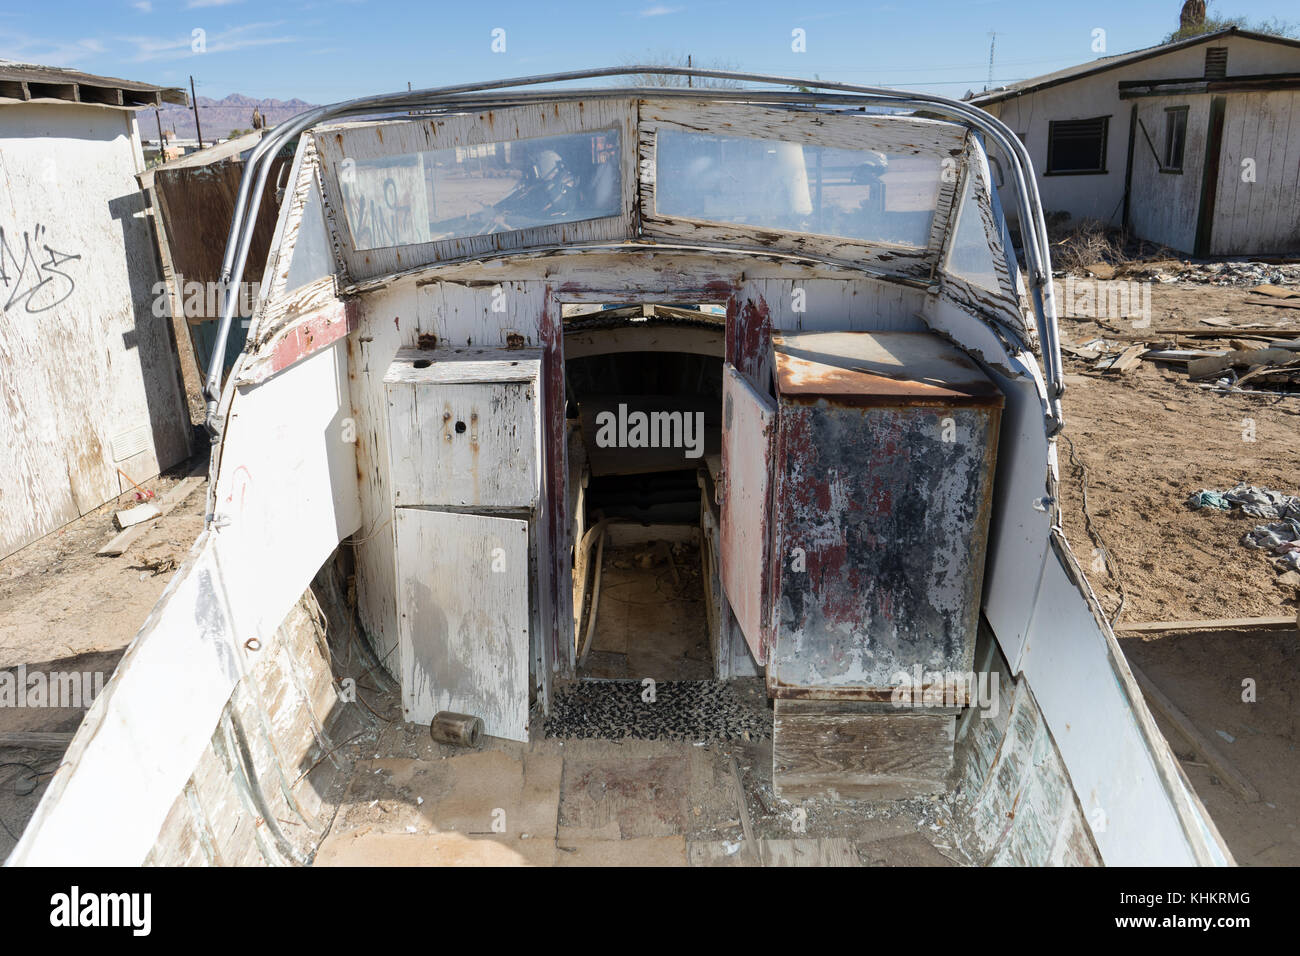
[608, 803]
[651, 621]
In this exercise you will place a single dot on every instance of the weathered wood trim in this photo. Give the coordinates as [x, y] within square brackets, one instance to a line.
[713, 263]
[891, 134]
[373, 140]
[322, 321]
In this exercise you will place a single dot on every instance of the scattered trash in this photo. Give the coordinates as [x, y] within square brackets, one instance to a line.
[133, 516]
[1226, 736]
[1281, 539]
[1256, 501]
[1209, 499]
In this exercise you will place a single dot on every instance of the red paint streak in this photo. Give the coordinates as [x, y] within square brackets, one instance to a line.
[749, 328]
[312, 333]
[397, 322]
[551, 335]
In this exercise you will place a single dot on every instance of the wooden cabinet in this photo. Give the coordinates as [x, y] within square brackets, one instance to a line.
[465, 464]
[465, 428]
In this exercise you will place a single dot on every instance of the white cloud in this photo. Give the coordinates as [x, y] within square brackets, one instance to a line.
[236, 38]
[144, 6]
[659, 11]
[191, 4]
[21, 48]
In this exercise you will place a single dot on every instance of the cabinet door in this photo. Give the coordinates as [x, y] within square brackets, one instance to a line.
[747, 455]
[466, 445]
[463, 624]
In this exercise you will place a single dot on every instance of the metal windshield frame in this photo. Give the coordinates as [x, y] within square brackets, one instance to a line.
[478, 96]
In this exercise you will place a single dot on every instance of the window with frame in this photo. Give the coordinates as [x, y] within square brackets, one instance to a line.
[1077, 147]
[1175, 139]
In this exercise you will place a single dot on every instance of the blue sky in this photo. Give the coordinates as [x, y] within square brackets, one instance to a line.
[326, 50]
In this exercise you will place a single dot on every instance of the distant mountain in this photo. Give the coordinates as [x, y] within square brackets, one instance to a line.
[219, 117]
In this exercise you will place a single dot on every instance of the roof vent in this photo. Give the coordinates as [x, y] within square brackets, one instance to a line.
[1216, 62]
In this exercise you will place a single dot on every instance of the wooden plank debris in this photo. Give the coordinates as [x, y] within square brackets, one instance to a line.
[1277, 303]
[1283, 623]
[1276, 291]
[746, 824]
[133, 516]
[121, 543]
[1214, 364]
[1178, 356]
[35, 740]
[1080, 352]
[1122, 362]
[1208, 752]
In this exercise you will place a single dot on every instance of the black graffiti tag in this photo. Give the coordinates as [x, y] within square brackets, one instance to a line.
[38, 284]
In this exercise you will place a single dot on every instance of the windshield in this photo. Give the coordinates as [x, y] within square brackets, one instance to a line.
[860, 194]
[475, 190]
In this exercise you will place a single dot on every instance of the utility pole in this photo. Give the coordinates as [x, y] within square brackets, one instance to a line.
[993, 39]
[689, 79]
[194, 101]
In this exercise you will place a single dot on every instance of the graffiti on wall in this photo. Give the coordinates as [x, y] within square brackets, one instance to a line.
[33, 273]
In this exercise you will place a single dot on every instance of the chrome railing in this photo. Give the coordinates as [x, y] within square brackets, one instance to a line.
[477, 96]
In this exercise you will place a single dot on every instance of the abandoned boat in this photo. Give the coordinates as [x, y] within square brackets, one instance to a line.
[505, 329]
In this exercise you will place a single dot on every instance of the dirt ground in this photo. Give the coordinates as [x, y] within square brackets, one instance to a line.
[1147, 438]
[63, 609]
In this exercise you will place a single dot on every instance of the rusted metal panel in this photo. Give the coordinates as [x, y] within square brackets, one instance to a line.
[886, 446]
[879, 370]
[748, 421]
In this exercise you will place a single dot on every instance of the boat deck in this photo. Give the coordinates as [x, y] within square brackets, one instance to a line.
[578, 802]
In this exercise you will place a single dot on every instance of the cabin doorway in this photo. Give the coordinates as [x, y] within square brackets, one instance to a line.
[643, 391]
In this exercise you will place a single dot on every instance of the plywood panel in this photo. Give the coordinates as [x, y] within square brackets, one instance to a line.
[860, 756]
[83, 360]
[463, 601]
[748, 423]
[1260, 216]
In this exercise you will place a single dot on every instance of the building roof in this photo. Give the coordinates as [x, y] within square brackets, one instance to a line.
[1104, 63]
[27, 82]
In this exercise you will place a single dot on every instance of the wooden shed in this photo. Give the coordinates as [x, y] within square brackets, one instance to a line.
[92, 393]
[1193, 144]
[193, 198]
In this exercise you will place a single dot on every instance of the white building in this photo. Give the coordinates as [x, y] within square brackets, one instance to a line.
[90, 388]
[1193, 144]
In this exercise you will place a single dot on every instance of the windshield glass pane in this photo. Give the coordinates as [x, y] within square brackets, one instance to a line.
[970, 256]
[859, 194]
[475, 190]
